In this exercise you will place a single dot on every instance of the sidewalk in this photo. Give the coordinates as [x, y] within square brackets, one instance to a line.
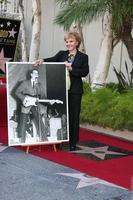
[27, 177]
[125, 135]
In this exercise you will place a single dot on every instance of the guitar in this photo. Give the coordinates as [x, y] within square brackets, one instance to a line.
[32, 101]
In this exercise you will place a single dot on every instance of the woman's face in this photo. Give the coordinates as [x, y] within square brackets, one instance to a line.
[71, 43]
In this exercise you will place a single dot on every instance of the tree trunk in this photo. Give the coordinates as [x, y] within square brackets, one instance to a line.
[127, 36]
[23, 33]
[102, 68]
[36, 29]
[78, 27]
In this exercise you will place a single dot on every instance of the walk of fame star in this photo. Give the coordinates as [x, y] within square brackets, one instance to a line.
[3, 60]
[99, 152]
[2, 147]
[85, 180]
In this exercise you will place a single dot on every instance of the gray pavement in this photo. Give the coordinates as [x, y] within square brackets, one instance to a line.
[27, 177]
[124, 135]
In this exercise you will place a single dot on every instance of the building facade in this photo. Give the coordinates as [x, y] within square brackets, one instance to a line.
[52, 36]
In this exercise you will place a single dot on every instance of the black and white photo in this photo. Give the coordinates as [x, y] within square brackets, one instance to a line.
[37, 103]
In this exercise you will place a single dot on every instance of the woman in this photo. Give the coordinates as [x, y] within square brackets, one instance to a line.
[77, 65]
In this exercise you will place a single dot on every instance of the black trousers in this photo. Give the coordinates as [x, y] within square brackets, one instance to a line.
[37, 118]
[74, 103]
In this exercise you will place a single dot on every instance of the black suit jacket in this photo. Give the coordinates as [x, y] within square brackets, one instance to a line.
[80, 68]
[25, 89]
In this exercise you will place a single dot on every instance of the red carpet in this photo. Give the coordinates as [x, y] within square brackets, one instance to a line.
[116, 170]
[3, 100]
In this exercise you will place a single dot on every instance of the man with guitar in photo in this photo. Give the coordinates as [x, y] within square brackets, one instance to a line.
[31, 94]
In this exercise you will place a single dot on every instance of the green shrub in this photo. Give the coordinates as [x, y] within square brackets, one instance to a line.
[107, 108]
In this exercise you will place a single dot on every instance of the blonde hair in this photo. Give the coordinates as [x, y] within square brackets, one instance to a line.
[75, 35]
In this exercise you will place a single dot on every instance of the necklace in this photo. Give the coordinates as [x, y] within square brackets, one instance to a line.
[71, 58]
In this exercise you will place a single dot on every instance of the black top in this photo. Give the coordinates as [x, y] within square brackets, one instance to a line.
[80, 68]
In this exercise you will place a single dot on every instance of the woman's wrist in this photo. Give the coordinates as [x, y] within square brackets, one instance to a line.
[70, 68]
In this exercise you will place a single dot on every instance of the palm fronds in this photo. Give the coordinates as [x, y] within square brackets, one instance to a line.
[124, 83]
[84, 11]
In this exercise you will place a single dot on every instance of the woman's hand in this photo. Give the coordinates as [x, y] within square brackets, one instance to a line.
[38, 62]
[68, 65]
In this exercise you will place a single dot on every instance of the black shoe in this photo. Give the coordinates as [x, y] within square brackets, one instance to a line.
[72, 148]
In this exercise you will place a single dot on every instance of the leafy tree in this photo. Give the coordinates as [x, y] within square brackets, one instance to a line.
[120, 15]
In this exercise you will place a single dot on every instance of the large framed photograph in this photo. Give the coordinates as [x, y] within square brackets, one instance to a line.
[37, 103]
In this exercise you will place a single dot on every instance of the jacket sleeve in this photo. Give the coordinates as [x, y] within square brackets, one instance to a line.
[19, 91]
[54, 58]
[83, 69]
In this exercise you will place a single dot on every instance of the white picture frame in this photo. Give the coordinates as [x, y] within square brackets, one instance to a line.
[53, 113]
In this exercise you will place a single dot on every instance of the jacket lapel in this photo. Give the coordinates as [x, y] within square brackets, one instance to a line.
[76, 58]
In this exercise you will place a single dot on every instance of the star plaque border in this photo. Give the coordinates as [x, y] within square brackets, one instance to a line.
[9, 31]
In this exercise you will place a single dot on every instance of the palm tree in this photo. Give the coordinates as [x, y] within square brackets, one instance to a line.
[78, 28]
[126, 35]
[36, 29]
[102, 67]
[85, 11]
[23, 32]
